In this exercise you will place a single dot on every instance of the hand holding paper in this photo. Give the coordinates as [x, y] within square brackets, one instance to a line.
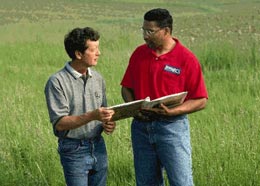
[131, 109]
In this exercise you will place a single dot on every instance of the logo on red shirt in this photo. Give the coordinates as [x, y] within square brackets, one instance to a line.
[172, 69]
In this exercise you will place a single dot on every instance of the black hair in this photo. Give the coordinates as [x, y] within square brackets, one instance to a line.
[161, 16]
[76, 39]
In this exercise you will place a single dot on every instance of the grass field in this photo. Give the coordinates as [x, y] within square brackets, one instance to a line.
[224, 35]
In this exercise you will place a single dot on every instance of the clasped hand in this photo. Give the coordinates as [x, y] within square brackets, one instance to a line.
[105, 116]
[147, 114]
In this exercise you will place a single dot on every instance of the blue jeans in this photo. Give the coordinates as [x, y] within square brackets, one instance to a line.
[162, 144]
[84, 161]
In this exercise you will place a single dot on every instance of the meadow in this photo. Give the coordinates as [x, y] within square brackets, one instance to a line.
[225, 37]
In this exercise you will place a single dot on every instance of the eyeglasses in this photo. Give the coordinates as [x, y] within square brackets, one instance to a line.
[149, 32]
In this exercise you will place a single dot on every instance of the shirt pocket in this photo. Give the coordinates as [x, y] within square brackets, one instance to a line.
[172, 82]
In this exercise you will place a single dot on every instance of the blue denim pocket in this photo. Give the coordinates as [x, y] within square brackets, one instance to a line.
[68, 147]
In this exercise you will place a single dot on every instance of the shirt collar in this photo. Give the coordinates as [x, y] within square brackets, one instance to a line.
[75, 73]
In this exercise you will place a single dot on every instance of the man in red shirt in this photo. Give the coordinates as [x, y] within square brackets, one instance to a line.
[161, 136]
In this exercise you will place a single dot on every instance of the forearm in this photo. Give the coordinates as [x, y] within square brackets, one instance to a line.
[72, 122]
[189, 106]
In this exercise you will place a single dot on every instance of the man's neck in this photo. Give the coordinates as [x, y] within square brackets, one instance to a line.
[166, 47]
[78, 67]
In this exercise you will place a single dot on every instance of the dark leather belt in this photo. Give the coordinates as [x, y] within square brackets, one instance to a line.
[83, 141]
[150, 116]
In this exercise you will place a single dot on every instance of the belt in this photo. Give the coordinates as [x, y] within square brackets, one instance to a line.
[150, 116]
[83, 141]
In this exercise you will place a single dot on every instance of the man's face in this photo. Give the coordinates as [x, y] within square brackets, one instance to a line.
[91, 54]
[152, 34]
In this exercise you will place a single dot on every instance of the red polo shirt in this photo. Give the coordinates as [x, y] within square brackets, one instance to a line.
[176, 71]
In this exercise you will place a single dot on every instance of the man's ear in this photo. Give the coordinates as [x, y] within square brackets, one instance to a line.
[167, 29]
[78, 54]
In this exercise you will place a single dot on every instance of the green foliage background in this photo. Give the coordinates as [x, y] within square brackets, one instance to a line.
[224, 35]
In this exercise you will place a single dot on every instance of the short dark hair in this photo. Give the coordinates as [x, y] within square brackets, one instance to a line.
[161, 16]
[76, 40]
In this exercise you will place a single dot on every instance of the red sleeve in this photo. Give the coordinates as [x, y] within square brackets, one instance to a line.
[195, 81]
[126, 81]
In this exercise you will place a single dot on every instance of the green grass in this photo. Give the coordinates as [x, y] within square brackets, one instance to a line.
[225, 37]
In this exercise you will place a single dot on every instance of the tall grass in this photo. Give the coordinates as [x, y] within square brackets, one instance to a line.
[225, 135]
